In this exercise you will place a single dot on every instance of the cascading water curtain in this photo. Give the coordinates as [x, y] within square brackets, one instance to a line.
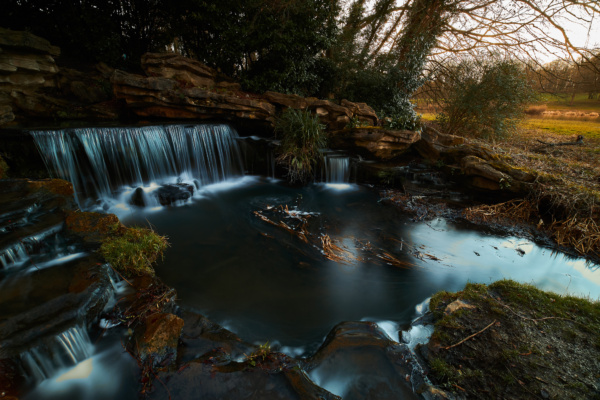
[98, 161]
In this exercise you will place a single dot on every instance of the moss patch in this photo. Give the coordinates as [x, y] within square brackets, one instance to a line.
[134, 251]
[59, 187]
[94, 227]
[526, 343]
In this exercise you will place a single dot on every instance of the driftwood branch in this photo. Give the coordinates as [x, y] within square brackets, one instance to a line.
[470, 337]
[577, 142]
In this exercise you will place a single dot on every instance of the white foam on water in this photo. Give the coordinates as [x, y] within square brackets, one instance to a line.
[417, 334]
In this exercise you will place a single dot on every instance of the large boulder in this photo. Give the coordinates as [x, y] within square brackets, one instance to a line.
[374, 143]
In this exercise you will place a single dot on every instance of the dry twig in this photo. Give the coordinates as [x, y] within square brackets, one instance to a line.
[470, 337]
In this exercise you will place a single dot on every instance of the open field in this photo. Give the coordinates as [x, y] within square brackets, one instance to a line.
[589, 128]
[566, 127]
[563, 102]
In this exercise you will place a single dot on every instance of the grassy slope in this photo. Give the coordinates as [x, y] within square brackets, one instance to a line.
[536, 345]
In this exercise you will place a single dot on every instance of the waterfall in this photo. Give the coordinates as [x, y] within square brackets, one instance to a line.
[61, 351]
[100, 161]
[337, 168]
[18, 253]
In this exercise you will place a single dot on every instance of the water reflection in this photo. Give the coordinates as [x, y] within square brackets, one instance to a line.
[267, 284]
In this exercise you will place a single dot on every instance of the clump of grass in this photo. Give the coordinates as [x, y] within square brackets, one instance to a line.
[134, 251]
[302, 135]
[443, 370]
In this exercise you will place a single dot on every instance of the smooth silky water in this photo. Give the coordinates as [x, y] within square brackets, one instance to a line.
[265, 283]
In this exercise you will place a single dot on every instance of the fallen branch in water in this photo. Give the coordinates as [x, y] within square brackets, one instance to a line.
[470, 337]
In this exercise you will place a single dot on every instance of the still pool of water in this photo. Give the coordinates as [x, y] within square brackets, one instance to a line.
[267, 284]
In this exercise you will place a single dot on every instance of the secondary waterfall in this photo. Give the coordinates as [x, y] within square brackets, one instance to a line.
[63, 350]
[337, 168]
[100, 161]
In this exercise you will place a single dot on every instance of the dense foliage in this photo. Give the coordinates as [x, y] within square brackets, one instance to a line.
[485, 99]
[270, 45]
[302, 135]
[117, 32]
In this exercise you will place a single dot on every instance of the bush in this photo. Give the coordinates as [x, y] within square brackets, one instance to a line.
[404, 121]
[485, 99]
[134, 252]
[302, 135]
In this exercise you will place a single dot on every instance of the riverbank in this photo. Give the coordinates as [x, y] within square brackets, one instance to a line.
[512, 340]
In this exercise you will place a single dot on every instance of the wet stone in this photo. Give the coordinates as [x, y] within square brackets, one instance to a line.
[40, 303]
[359, 361]
[169, 194]
[138, 198]
[160, 337]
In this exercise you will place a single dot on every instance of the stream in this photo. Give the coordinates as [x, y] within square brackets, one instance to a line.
[272, 263]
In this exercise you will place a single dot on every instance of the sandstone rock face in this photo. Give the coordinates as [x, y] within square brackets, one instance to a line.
[31, 84]
[166, 98]
[26, 64]
[179, 68]
[362, 112]
[283, 101]
[379, 144]
[187, 72]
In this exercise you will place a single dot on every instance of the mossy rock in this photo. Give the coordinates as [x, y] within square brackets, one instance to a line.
[93, 227]
[58, 187]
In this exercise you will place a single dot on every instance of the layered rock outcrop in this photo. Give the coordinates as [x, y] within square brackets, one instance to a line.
[169, 98]
[177, 87]
[32, 85]
[375, 143]
[26, 65]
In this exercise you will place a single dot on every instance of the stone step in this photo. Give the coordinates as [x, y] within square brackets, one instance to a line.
[39, 303]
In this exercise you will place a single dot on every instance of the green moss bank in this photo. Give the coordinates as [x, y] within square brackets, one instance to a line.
[511, 340]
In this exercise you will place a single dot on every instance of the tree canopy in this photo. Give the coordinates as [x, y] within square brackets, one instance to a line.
[378, 51]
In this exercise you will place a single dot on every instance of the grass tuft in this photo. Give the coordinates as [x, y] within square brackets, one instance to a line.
[134, 252]
[302, 135]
